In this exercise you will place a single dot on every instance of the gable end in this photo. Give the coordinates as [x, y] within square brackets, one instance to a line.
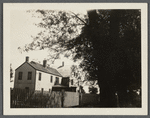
[23, 64]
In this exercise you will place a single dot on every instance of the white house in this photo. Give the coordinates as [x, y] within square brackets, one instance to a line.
[76, 78]
[65, 71]
[35, 76]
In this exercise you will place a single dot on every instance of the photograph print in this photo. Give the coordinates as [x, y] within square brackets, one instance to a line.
[74, 58]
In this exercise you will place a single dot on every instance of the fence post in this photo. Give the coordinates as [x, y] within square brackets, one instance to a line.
[62, 97]
[49, 91]
[15, 97]
[10, 98]
[29, 97]
[25, 94]
[80, 99]
[42, 98]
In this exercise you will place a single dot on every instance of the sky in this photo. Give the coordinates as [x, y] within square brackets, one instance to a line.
[21, 29]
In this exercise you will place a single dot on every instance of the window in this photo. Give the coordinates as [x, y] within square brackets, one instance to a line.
[51, 79]
[57, 81]
[72, 82]
[40, 76]
[29, 75]
[20, 76]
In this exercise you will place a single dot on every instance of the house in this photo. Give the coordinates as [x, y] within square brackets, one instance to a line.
[35, 76]
[69, 79]
[65, 71]
[75, 79]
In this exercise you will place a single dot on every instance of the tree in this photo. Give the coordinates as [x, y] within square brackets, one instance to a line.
[81, 78]
[107, 42]
[11, 73]
[116, 53]
[78, 77]
[93, 90]
[59, 30]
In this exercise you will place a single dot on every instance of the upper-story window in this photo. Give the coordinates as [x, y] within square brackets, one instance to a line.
[57, 81]
[72, 82]
[40, 76]
[29, 75]
[51, 79]
[20, 75]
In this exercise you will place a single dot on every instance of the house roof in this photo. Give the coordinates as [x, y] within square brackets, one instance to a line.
[59, 86]
[40, 67]
[65, 70]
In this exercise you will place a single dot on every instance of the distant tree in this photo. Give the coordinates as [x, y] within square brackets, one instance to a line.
[107, 41]
[11, 73]
[78, 77]
[93, 90]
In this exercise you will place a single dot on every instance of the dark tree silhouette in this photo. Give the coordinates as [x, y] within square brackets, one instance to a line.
[93, 90]
[107, 41]
[11, 73]
[117, 53]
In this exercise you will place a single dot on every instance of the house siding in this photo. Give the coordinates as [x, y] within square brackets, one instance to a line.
[45, 82]
[25, 68]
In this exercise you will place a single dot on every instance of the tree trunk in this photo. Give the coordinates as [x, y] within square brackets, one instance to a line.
[114, 59]
[107, 86]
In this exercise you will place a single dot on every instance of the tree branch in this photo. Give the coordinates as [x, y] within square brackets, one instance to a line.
[79, 18]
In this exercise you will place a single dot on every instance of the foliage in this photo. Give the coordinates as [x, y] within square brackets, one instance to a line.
[81, 90]
[81, 78]
[78, 75]
[58, 32]
[11, 73]
[93, 90]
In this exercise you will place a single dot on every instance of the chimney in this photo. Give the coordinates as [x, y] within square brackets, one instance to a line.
[62, 63]
[44, 63]
[27, 59]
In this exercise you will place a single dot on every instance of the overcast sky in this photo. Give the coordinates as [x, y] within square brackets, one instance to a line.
[22, 28]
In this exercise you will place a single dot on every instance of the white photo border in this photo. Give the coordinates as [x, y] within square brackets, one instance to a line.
[7, 7]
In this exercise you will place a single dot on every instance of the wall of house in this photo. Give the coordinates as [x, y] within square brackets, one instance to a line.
[45, 82]
[25, 68]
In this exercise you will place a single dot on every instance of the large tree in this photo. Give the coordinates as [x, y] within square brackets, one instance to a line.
[116, 40]
[107, 41]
